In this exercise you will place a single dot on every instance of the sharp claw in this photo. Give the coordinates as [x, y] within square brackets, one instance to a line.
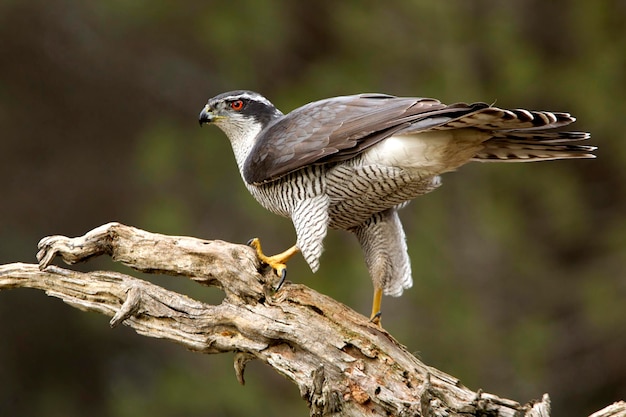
[376, 318]
[283, 276]
[276, 262]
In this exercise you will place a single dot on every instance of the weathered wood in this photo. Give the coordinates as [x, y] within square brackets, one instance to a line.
[343, 364]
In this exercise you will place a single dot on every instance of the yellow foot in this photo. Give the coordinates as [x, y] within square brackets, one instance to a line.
[378, 296]
[277, 262]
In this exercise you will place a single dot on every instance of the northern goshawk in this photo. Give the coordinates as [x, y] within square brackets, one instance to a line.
[351, 162]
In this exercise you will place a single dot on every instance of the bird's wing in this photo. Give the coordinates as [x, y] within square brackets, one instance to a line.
[337, 129]
[340, 128]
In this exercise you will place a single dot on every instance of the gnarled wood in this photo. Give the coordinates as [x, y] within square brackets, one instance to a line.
[343, 364]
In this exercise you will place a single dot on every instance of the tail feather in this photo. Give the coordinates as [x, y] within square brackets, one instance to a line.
[543, 137]
[552, 146]
[520, 135]
[494, 118]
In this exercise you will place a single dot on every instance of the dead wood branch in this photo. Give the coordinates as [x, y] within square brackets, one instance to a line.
[343, 364]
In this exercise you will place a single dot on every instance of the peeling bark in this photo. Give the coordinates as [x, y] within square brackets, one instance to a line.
[343, 364]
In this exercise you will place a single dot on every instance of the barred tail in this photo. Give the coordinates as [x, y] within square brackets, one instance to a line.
[520, 135]
[529, 145]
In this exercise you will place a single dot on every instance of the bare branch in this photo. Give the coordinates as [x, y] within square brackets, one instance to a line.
[343, 364]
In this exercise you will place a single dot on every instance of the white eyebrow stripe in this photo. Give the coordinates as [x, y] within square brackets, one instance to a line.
[248, 96]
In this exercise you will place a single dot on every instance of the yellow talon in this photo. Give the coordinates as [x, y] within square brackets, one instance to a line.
[277, 262]
[378, 296]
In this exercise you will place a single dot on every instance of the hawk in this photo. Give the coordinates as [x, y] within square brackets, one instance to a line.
[352, 162]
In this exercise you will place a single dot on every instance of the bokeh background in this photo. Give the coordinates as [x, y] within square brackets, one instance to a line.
[520, 270]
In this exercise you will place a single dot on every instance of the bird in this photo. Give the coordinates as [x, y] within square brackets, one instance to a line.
[351, 162]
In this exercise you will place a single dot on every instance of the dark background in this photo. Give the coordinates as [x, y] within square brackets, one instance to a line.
[519, 269]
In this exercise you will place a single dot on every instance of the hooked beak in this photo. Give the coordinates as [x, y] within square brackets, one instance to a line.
[206, 116]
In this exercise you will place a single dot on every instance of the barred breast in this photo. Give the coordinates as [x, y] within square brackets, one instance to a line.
[286, 193]
[354, 191]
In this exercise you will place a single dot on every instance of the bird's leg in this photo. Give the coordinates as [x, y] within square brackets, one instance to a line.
[277, 262]
[378, 296]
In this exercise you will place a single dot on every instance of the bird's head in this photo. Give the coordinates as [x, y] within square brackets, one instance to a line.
[240, 114]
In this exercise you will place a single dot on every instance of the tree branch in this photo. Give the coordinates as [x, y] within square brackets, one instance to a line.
[343, 364]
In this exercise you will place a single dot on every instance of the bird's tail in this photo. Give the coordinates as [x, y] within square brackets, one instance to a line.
[520, 146]
[520, 135]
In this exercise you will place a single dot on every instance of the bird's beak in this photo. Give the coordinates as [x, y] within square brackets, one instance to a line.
[206, 116]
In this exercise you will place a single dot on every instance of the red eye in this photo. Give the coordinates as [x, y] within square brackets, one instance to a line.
[236, 105]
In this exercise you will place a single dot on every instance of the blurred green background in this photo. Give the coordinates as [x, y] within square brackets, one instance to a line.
[519, 270]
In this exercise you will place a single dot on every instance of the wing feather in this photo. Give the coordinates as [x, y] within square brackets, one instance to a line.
[329, 130]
